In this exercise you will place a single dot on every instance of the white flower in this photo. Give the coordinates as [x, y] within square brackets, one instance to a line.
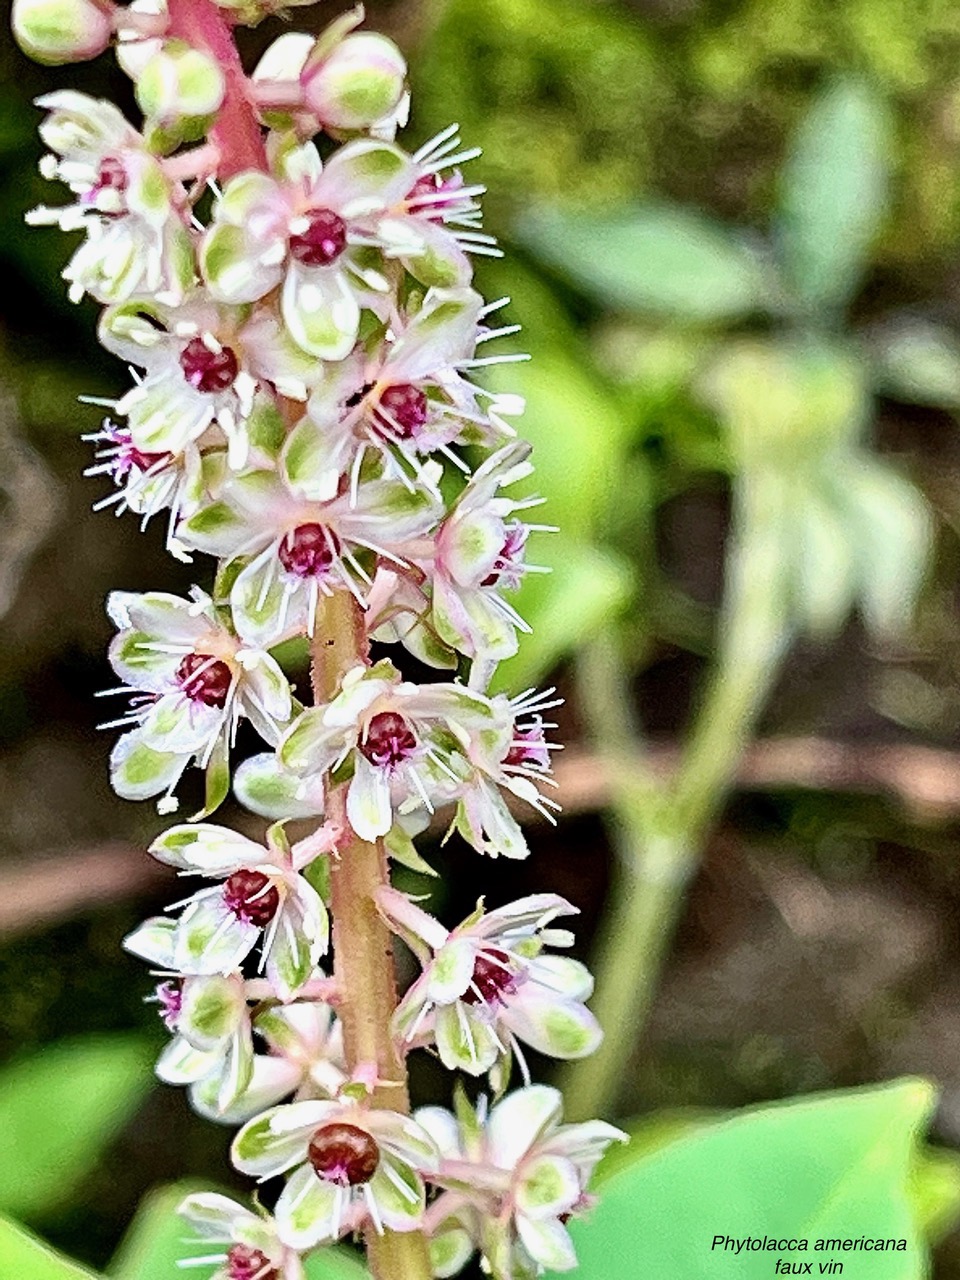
[401, 395]
[192, 682]
[253, 1250]
[308, 232]
[525, 1171]
[263, 898]
[298, 549]
[212, 1044]
[488, 985]
[351, 1164]
[204, 366]
[479, 551]
[137, 240]
[413, 746]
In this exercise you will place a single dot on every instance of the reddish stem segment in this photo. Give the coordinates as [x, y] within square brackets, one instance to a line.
[236, 133]
[363, 947]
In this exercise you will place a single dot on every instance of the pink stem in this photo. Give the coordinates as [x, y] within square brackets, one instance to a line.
[237, 132]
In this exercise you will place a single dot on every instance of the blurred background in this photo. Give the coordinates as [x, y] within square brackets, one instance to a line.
[733, 234]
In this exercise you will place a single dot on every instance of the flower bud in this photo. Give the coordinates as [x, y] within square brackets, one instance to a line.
[56, 31]
[180, 83]
[358, 83]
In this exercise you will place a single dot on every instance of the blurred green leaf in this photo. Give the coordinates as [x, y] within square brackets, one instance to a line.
[919, 363]
[58, 1111]
[933, 1181]
[24, 1257]
[934, 1190]
[666, 261]
[824, 1167]
[565, 608]
[786, 405]
[335, 1264]
[894, 535]
[833, 194]
[158, 1240]
[574, 420]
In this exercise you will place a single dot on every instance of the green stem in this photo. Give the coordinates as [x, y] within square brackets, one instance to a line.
[363, 948]
[658, 834]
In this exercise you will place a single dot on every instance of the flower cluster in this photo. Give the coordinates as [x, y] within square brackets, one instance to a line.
[306, 407]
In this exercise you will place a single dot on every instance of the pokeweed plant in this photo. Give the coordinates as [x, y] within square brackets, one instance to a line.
[304, 411]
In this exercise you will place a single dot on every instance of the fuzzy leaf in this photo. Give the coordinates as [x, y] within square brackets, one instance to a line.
[59, 1109]
[660, 261]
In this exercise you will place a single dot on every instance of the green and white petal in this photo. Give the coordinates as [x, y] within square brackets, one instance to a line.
[443, 331]
[214, 1217]
[451, 1248]
[399, 1194]
[154, 941]
[428, 251]
[407, 1140]
[567, 979]
[237, 1070]
[311, 744]
[519, 1121]
[137, 662]
[263, 786]
[138, 772]
[484, 820]
[231, 263]
[369, 807]
[211, 939]
[547, 1187]
[178, 723]
[208, 848]
[164, 617]
[218, 529]
[264, 685]
[312, 460]
[272, 1080]
[309, 1210]
[259, 602]
[300, 934]
[278, 1139]
[548, 1243]
[211, 1010]
[366, 176]
[465, 1041]
[451, 970]
[181, 1063]
[320, 311]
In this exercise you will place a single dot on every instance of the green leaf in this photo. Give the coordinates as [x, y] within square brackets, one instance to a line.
[335, 1264]
[24, 1257]
[893, 529]
[565, 608]
[833, 1166]
[157, 1239]
[660, 261]
[58, 1111]
[919, 363]
[934, 1189]
[578, 435]
[834, 194]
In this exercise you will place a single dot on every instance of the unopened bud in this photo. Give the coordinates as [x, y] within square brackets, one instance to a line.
[358, 83]
[180, 83]
[56, 31]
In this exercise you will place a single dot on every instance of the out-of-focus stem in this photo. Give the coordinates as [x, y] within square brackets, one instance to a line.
[658, 833]
[363, 948]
